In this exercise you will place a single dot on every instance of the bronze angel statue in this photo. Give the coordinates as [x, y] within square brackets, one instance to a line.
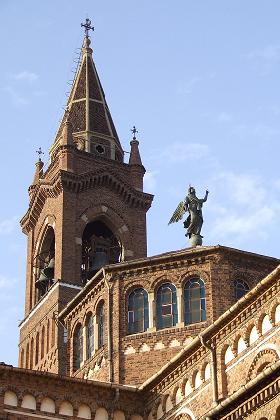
[194, 221]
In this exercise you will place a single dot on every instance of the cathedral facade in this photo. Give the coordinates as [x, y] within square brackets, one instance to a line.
[109, 333]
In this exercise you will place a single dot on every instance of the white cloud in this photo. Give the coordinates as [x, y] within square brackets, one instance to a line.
[181, 152]
[16, 98]
[224, 117]
[26, 76]
[150, 181]
[270, 53]
[7, 226]
[187, 87]
[249, 208]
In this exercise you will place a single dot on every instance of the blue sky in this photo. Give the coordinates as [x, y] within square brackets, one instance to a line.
[199, 79]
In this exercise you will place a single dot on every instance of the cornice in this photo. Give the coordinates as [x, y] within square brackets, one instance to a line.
[75, 183]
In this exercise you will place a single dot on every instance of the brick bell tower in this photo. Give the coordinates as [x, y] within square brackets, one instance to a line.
[86, 210]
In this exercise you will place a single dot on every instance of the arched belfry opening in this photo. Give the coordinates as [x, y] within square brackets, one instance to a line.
[44, 263]
[99, 247]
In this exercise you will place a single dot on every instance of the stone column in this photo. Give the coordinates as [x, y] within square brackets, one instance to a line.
[95, 333]
[151, 302]
[84, 345]
[180, 307]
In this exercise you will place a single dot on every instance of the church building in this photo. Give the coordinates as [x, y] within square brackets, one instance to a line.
[111, 334]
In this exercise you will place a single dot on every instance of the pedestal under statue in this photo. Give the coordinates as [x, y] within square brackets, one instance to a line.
[194, 221]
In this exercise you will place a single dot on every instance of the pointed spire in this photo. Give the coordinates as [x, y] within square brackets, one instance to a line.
[88, 112]
[134, 158]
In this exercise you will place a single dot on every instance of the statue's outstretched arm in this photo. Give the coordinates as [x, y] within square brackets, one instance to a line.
[202, 200]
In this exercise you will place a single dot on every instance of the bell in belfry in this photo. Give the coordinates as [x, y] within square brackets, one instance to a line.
[49, 270]
[100, 258]
[46, 276]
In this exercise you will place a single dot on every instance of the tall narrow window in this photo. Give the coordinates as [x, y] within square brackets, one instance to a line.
[195, 302]
[101, 321]
[48, 336]
[240, 288]
[27, 357]
[37, 349]
[167, 314]
[138, 311]
[31, 353]
[78, 347]
[22, 358]
[43, 343]
[90, 337]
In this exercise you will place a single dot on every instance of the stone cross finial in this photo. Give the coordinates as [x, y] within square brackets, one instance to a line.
[87, 26]
[39, 152]
[134, 131]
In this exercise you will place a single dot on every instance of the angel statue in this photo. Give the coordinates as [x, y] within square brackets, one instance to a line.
[194, 221]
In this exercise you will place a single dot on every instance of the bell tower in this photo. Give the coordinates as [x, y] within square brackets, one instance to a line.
[86, 210]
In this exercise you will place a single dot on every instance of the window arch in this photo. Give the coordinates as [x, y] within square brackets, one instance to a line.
[90, 336]
[240, 288]
[101, 325]
[78, 347]
[167, 313]
[195, 302]
[138, 311]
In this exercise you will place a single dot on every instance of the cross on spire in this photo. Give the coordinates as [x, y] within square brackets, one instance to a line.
[39, 152]
[87, 26]
[134, 131]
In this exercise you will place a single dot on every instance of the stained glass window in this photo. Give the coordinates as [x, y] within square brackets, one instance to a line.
[195, 302]
[167, 314]
[138, 311]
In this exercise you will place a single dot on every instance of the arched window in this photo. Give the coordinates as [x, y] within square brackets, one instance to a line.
[167, 314]
[90, 337]
[101, 322]
[195, 302]
[240, 288]
[78, 347]
[138, 311]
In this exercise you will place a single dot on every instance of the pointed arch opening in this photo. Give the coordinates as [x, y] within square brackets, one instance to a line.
[99, 247]
[45, 263]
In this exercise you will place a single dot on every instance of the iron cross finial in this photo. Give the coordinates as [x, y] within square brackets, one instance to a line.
[87, 26]
[134, 131]
[39, 152]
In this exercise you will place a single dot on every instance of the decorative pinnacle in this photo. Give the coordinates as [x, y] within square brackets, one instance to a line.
[87, 26]
[39, 152]
[134, 131]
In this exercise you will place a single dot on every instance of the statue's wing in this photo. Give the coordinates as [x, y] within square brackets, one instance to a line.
[178, 213]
